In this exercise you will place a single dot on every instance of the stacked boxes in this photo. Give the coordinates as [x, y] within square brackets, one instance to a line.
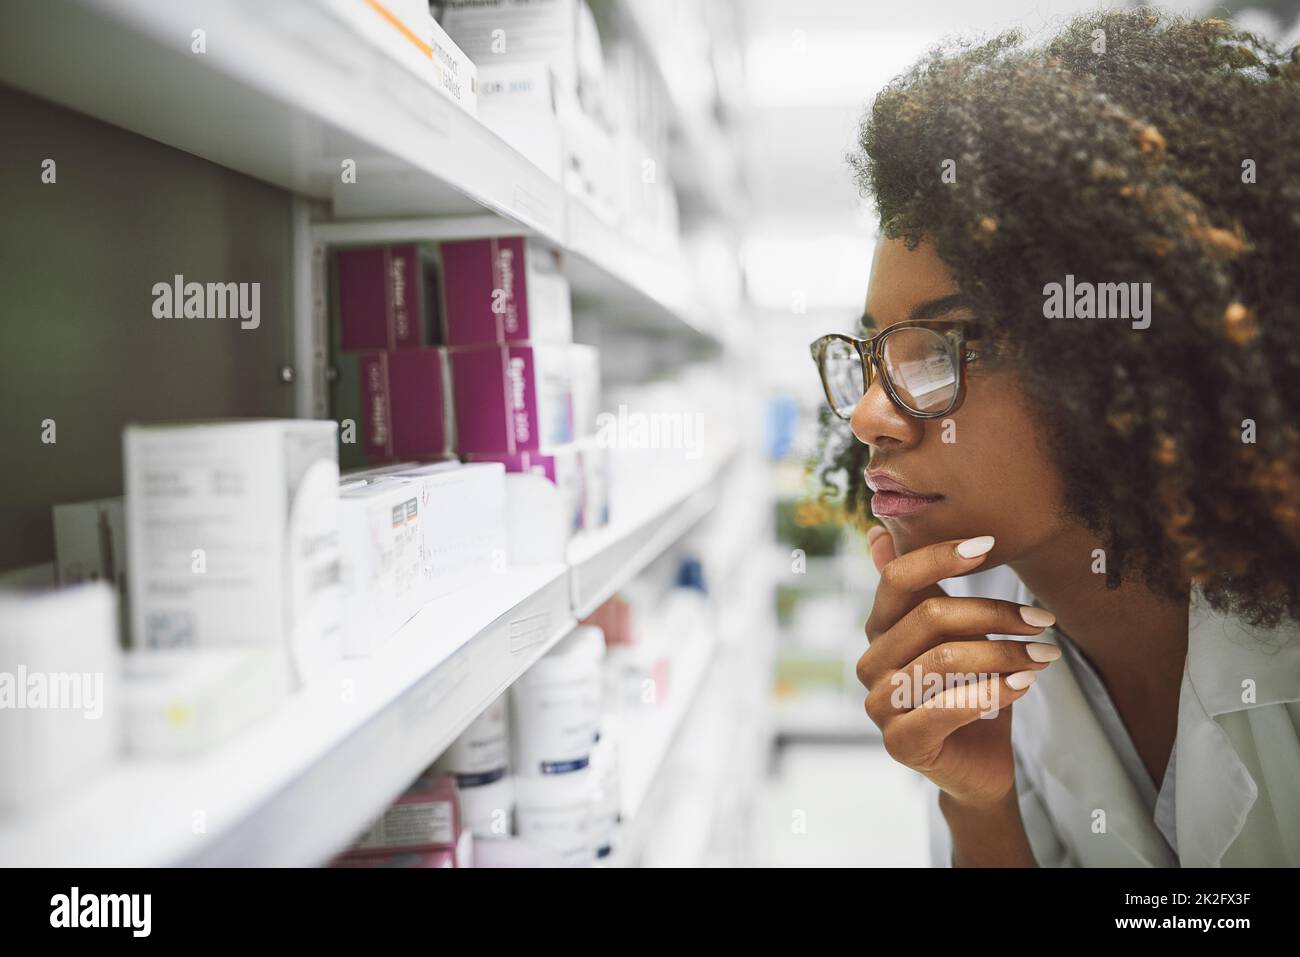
[390, 388]
[524, 394]
[508, 325]
[470, 350]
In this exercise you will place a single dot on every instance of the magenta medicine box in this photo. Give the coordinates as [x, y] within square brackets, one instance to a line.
[509, 399]
[381, 298]
[503, 290]
[403, 412]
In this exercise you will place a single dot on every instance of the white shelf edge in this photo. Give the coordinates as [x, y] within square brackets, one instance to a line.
[602, 265]
[604, 561]
[295, 93]
[337, 764]
[651, 738]
[341, 748]
[283, 92]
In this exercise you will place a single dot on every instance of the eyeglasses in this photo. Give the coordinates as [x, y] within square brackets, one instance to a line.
[922, 365]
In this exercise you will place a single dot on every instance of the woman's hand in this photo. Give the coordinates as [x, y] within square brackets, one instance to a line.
[957, 730]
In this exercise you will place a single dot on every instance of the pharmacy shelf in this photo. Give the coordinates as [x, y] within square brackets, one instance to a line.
[646, 740]
[626, 283]
[298, 786]
[605, 560]
[287, 91]
[645, 288]
[301, 784]
[648, 735]
[284, 92]
[705, 165]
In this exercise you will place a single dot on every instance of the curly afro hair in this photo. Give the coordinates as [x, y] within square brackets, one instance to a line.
[1118, 152]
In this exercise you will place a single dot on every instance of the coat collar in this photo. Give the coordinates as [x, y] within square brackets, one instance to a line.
[1233, 666]
[1230, 667]
[1055, 729]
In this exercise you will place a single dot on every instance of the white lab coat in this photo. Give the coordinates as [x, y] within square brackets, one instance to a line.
[1237, 786]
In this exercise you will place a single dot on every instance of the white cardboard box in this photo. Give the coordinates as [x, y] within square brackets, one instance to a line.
[463, 533]
[383, 577]
[413, 38]
[515, 101]
[514, 31]
[60, 722]
[183, 701]
[233, 537]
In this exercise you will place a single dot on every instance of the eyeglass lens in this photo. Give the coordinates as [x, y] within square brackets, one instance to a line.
[917, 362]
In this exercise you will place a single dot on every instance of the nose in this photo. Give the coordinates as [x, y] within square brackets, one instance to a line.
[876, 421]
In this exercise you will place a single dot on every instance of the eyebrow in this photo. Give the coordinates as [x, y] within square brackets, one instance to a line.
[930, 309]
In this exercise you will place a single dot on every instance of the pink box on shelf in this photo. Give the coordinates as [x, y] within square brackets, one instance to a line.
[503, 290]
[511, 399]
[399, 402]
[416, 381]
[425, 818]
[382, 298]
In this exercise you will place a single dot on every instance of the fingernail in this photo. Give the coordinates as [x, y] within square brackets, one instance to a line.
[1021, 680]
[874, 532]
[974, 547]
[1038, 617]
[1042, 651]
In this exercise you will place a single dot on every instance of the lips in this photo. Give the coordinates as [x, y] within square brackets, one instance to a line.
[893, 499]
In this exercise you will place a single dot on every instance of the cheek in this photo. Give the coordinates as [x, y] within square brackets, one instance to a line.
[999, 478]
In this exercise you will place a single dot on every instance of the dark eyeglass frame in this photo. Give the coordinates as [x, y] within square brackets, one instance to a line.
[872, 353]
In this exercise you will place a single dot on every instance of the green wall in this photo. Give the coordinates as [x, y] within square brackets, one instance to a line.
[78, 340]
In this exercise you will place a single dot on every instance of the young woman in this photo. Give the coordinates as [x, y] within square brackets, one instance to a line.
[1073, 410]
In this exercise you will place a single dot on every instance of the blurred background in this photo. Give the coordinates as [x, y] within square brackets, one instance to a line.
[685, 159]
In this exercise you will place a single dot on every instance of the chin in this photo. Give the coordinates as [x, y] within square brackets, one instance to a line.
[910, 533]
[917, 531]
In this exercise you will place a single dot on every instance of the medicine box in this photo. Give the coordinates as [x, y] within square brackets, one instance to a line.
[60, 668]
[382, 298]
[392, 405]
[383, 580]
[509, 399]
[463, 521]
[185, 701]
[503, 290]
[426, 817]
[233, 537]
